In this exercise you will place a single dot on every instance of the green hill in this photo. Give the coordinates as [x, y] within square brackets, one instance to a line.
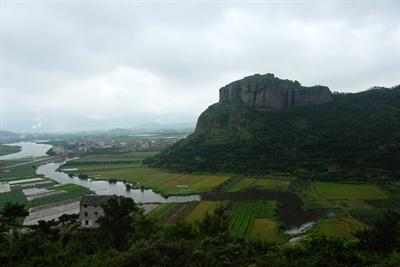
[311, 133]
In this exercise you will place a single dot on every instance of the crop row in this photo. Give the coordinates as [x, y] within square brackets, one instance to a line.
[244, 214]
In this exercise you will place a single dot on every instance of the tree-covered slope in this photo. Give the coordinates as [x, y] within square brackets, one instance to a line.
[348, 137]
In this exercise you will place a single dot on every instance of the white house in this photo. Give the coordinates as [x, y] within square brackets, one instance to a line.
[91, 209]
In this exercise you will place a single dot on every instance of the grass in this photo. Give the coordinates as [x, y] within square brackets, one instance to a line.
[342, 227]
[266, 230]
[244, 213]
[5, 149]
[13, 197]
[200, 211]
[333, 191]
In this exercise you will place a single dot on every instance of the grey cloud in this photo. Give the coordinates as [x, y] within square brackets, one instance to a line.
[118, 60]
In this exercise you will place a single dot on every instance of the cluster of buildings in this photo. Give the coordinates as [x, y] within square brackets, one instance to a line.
[82, 146]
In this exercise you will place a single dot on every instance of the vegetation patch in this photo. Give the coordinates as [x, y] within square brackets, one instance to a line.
[200, 211]
[348, 191]
[5, 149]
[71, 191]
[25, 171]
[244, 213]
[242, 185]
[162, 210]
[266, 230]
[167, 183]
[343, 227]
[13, 197]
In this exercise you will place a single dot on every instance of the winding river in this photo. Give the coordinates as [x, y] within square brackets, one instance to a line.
[291, 213]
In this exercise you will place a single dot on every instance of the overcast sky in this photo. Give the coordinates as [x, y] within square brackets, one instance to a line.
[100, 64]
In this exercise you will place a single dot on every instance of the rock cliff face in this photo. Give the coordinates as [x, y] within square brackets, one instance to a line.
[268, 92]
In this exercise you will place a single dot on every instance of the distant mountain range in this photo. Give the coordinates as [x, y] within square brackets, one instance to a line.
[264, 124]
[7, 135]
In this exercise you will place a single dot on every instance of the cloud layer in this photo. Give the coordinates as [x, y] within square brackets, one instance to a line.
[107, 64]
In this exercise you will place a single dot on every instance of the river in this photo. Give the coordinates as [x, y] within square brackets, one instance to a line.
[28, 150]
[291, 213]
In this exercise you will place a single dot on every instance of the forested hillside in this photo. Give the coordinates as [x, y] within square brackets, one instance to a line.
[354, 136]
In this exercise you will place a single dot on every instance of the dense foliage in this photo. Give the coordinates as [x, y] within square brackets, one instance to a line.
[205, 243]
[356, 136]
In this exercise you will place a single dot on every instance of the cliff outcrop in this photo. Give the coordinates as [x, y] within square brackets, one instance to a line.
[269, 92]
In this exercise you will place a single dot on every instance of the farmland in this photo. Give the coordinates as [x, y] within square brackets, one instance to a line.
[266, 230]
[332, 191]
[162, 211]
[107, 167]
[204, 207]
[243, 215]
[259, 183]
[343, 227]
[13, 197]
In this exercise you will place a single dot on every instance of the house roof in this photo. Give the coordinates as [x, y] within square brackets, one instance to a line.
[94, 200]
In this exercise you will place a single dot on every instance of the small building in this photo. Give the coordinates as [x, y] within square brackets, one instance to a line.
[91, 209]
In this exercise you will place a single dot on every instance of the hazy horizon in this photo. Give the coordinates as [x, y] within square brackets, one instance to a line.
[96, 65]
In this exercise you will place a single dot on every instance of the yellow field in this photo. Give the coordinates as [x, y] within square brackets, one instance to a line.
[344, 227]
[198, 213]
[266, 230]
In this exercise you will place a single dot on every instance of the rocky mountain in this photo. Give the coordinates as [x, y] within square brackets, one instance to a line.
[264, 124]
[269, 92]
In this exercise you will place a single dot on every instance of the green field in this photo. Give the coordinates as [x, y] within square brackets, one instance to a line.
[72, 191]
[259, 183]
[332, 191]
[266, 230]
[243, 215]
[167, 183]
[5, 149]
[162, 210]
[343, 227]
[13, 197]
[25, 171]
